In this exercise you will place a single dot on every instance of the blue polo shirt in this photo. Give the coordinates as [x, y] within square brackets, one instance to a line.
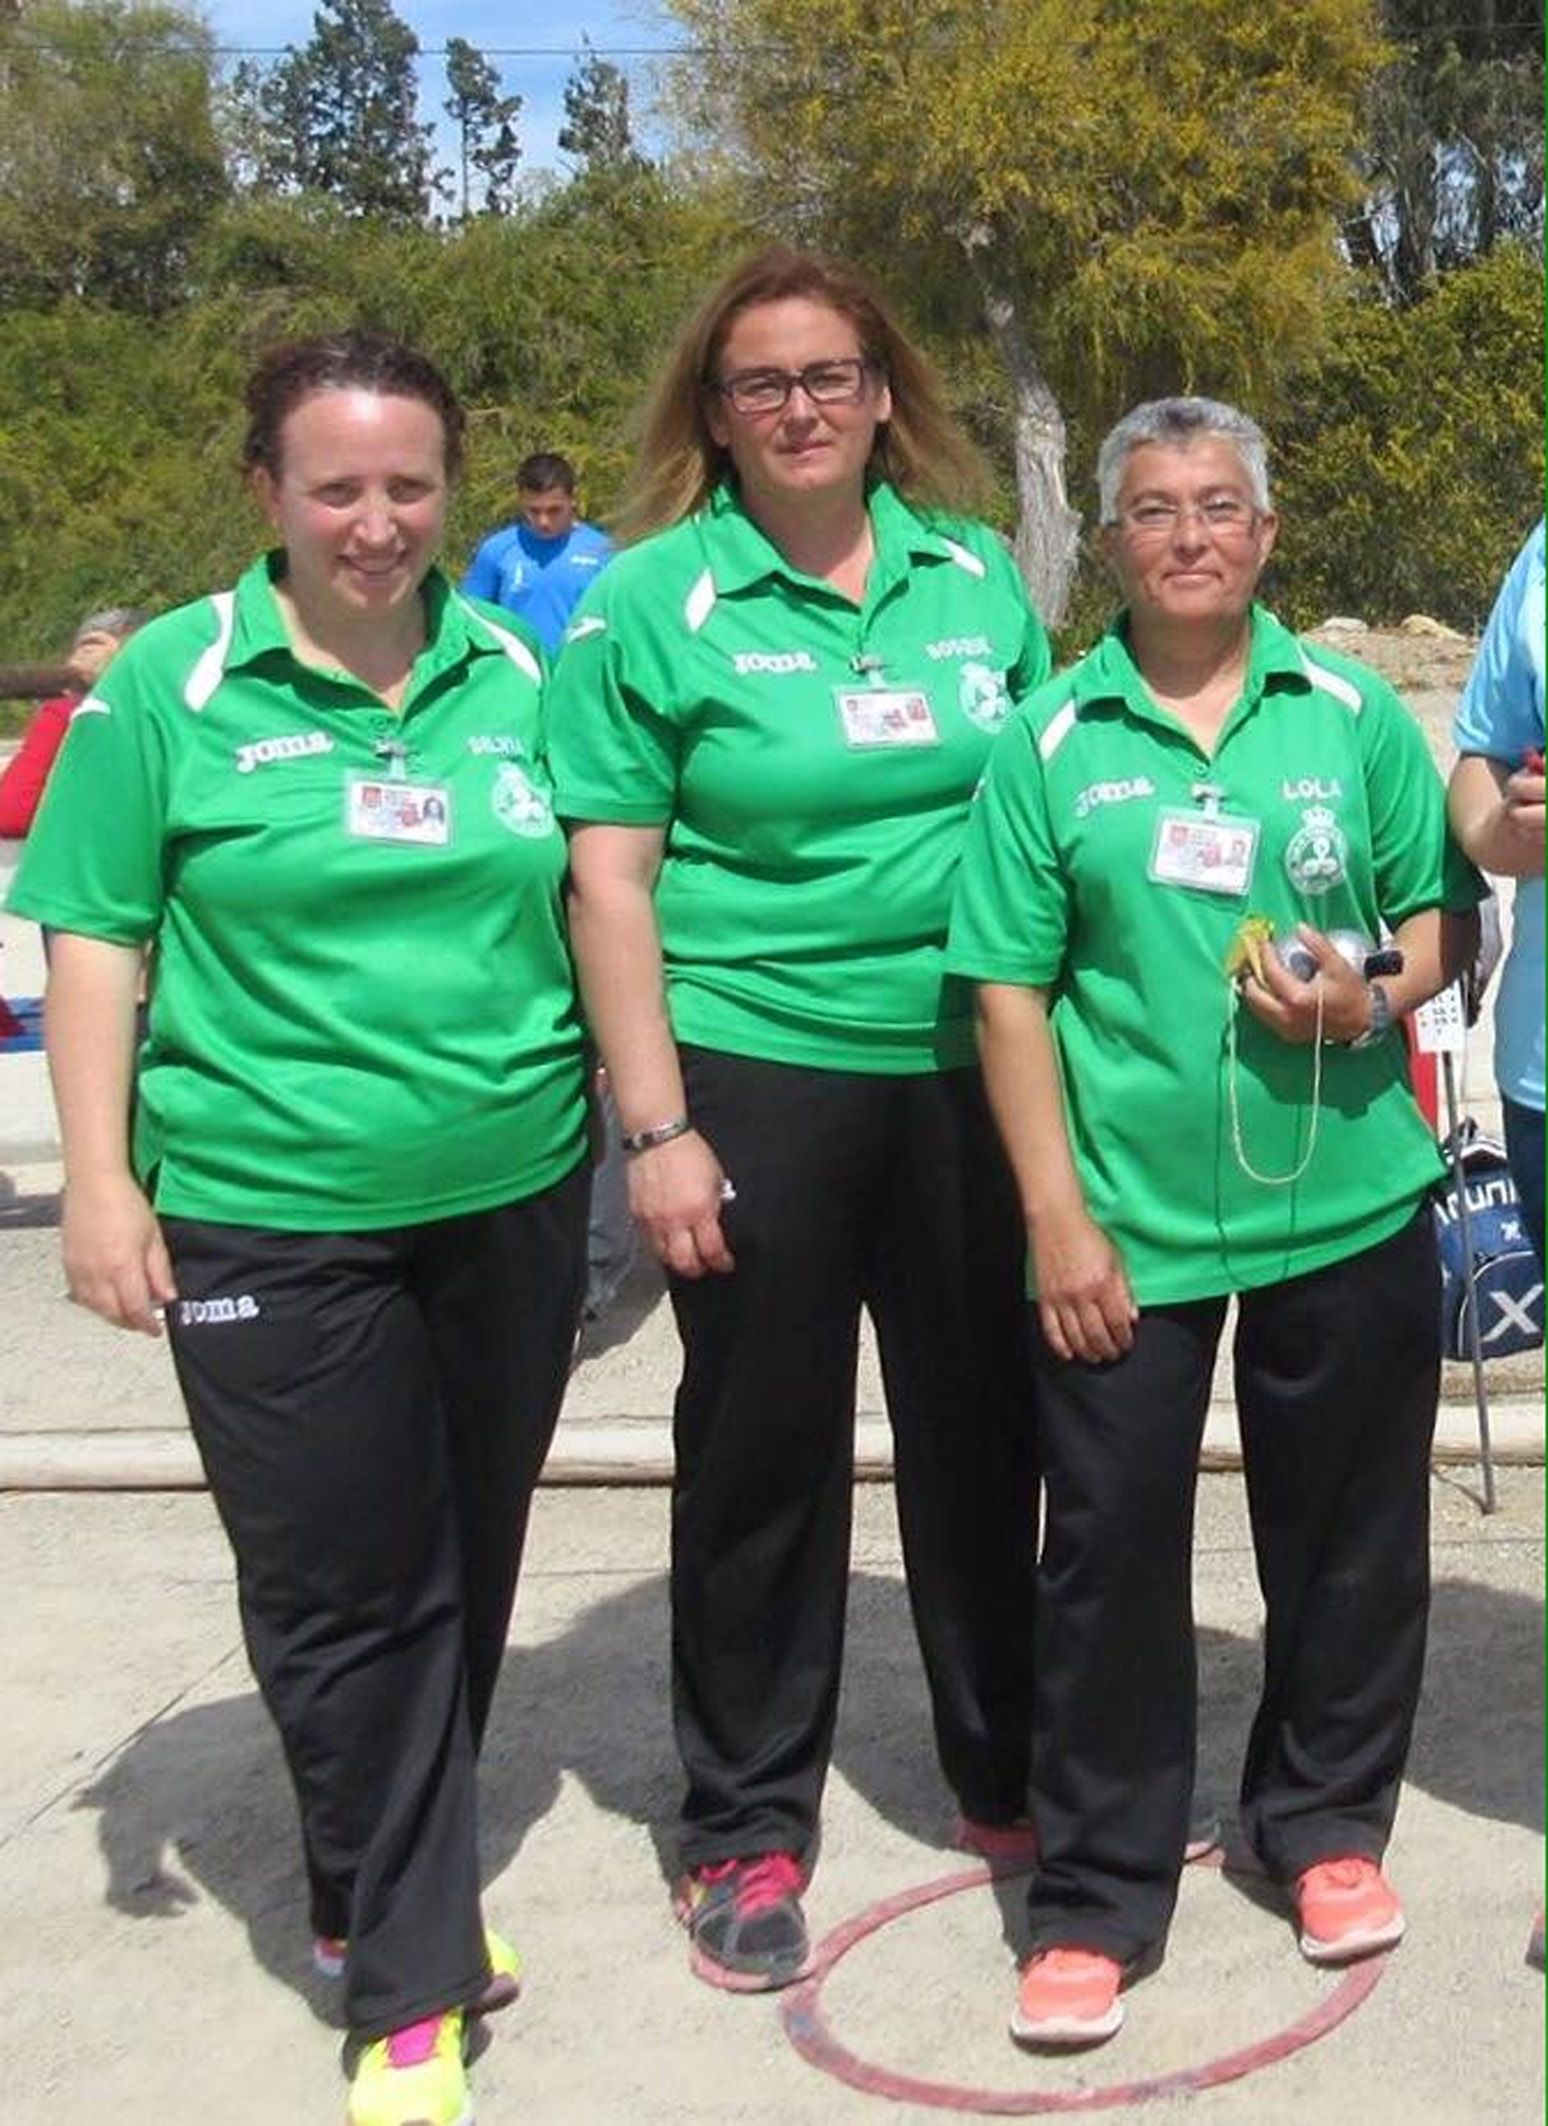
[539, 579]
[1500, 716]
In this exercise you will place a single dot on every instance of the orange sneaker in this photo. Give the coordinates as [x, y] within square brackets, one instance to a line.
[1067, 1997]
[1346, 1908]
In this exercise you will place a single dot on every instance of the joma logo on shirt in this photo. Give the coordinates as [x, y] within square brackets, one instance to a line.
[1113, 793]
[295, 745]
[191, 1313]
[774, 661]
[960, 646]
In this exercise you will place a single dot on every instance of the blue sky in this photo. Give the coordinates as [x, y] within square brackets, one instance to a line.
[542, 42]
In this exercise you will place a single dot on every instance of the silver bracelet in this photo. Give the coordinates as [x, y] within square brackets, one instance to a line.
[646, 1140]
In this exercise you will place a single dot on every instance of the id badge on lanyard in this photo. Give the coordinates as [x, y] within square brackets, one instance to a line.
[1208, 851]
[391, 809]
[886, 716]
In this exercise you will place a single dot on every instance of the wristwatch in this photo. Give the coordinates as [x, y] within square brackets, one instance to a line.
[1381, 1017]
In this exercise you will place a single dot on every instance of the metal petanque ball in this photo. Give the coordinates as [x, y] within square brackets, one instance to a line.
[1297, 958]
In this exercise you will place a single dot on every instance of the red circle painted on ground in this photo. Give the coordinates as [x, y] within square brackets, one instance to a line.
[807, 2028]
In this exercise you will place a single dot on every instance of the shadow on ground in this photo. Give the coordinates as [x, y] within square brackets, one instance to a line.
[198, 1802]
[20, 1210]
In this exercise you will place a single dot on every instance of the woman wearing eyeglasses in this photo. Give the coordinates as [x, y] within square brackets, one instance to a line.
[767, 727]
[1189, 1118]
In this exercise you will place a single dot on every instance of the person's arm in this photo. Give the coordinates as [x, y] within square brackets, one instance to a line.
[115, 1259]
[21, 785]
[1084, 1302]
[1497, 814]
[675, 1189]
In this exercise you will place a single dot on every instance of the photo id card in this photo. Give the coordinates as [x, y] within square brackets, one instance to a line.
[382, 810]
[886, 716]
[1204, 850]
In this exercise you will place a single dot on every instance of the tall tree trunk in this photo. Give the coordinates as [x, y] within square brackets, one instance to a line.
[1047, 529]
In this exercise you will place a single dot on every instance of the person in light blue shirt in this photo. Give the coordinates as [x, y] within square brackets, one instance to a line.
[1496, 802]
[539, 566]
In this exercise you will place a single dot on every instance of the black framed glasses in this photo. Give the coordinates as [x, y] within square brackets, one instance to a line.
[840, 382]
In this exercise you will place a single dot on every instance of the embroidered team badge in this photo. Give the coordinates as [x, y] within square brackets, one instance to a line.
[519, 804]
[1317, 852]
[982, 697]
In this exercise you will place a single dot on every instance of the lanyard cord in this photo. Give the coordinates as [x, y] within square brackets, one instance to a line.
[1233, 1005]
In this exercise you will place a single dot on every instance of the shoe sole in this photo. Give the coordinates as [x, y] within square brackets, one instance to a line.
[729, 1980]
[1067, 2031]
[1357, 1942]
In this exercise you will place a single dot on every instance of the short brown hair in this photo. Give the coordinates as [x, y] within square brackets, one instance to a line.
[342, 361]
[920, 449]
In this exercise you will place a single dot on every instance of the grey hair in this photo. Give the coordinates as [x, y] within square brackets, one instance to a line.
[119, 621]
[1181, 421]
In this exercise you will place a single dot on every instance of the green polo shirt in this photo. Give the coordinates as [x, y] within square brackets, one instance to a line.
[812, 762]
[1323, 771]
[348, 1029]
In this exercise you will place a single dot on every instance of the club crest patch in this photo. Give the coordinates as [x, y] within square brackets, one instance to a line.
[982, 697]
[1317, 854]
[519, 804]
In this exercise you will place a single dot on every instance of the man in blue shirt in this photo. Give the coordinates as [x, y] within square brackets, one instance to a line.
[538, 569]
[539, 566]
[1496, 802]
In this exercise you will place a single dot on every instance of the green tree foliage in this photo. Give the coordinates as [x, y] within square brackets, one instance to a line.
[597, 129]
[109, 160]
[119, 436]
[1143, 191]
[488, 149]
[337, 115]
[1455, 147]
[1413, 465]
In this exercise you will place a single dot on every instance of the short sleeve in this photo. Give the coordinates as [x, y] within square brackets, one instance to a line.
[1500, 714]
[1415, 862]
[612, 741]
[93, 862]
[1011, 913]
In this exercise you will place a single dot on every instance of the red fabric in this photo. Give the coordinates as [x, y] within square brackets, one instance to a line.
[21, 786]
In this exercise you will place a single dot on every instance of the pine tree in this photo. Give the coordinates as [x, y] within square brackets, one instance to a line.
[487, 144]
[597, 128]
[338, 115]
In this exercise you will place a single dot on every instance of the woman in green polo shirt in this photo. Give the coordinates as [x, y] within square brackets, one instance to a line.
[768, 723]
[1190, 1117]
[357, 1190]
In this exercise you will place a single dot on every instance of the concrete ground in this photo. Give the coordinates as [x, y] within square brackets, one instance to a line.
[154, 1954]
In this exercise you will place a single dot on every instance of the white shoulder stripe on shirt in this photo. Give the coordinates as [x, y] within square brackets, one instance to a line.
[211, 667]
[1332, 683]
[700, 602]
[512, 645]
[1057, 732]
[965, 558]
[89, 705]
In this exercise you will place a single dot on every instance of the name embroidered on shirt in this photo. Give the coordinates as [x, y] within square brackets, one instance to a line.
[295, 745]
[1113, 793]
[960, 646]
[499, 743]
[1310, 789]
[775, 661]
